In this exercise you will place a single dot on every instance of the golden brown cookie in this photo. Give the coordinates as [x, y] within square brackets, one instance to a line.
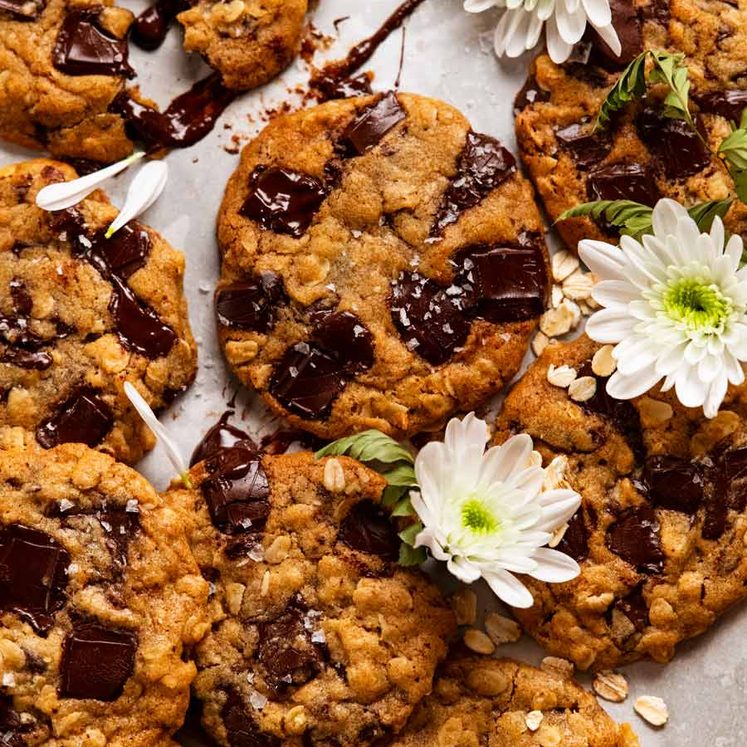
[641, 155]
[505, 703]
[80, 315]
[100, 600]
[383, 266]
[319, 636]
[661, 531]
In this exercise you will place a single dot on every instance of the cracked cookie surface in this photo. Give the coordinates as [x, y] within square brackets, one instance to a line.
[383, 266]
[641, 155]
[479, 700]
[661, 531]
[80, 315]
[319, 636]
[99, 600]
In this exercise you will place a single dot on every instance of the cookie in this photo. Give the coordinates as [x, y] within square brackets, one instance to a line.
[80, 315]
[641, 155]
[319, 636]
[660, 534]
[383, 266]
[505, 703]
[100, 600]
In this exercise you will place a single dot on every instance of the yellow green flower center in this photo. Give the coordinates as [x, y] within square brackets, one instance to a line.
[477, 517]
[698, 305]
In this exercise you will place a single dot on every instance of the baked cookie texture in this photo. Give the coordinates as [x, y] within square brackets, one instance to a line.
[319, 636]
[80, 315]
[248, 41]
[661, 531]
[641, 155]
[100, 600]
[383, 266]
[481, 701]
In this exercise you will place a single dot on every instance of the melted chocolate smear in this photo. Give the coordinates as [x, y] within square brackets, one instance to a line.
[678, 149]
[152, 25]
[286, 649]
[367, 529]
[281, 440]
[187, 119]
[530, 94]
[335, 80]
[33, 575]
[119, 525]
[241, 728]
[307, 380]
[634, 607]
[621, 181]
[483, 165]
[371, 125]
[282, 200]
[96, 661]
[220, 437]
[84, 418]
[237, 491]
[84, 47]
[674, 483]
[635, 538]
[252, 304]
[23, 10]
[586, 149]
[630, 32]
[575, 541]
[728, 104]
[139, 328]
[429, 318]
[503, 284]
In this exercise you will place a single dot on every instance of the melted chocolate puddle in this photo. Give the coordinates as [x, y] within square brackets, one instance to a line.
[220, 437]
[337, 79]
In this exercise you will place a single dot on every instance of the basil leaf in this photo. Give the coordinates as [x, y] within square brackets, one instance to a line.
[704, 213]
[409, 556]
[369, 446]
[408, 535]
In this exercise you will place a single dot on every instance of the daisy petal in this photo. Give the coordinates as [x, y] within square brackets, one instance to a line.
[509, 589]
[554, 567]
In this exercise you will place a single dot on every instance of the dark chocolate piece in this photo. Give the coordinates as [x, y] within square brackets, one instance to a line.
[96, 661]
[33, 575]
[241, 728]
[674, 483]
[630, 32]
[729, 104]
[575, 541]
[220, 437]
[367, 528]
[634, 607]
[83, 418]
[123, 254]
[371, 125]
[635, 538]
[152, 25]
[343, 335]
[620, 181]
[530, 94]
[252, 304]
[120, 525]
[585, 148]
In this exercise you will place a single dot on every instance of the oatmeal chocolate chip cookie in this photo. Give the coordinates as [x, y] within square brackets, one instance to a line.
[383, 266]
[99, 600]
[319, 636]
[641, 155]
[80, 315]
[661, 531]
[509, 704]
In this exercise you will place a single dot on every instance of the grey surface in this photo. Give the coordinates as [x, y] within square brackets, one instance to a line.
[447, 55]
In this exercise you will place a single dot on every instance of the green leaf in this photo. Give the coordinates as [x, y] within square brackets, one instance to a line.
[368, 446]
[734, 149]
[408, 535]
[704, 212]
[392, 495]
[630, 85]
[740, 185]
[669, 70]
[409, 556]
[404, 507]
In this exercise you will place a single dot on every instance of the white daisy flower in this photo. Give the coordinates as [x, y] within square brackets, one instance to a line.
[674, 307]
[490, 513]
[522, 22]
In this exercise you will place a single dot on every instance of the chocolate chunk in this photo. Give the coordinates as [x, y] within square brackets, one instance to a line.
[307, 380]
[282, 200]
[635, 538]
[123, 254]
[630, 32]
[84, 47]
[139, 328]
[673, 142]
[729, 104]
[237, 492]
[634, 607]
[119, 525]
[83, 418]
[620, 181]
[11, 725]
[241, 728]
[186, 120]
[482, 166]
[371, 125]
[220, 437]
[96, 661]
[674, 483]
[367, 529]
[23, 10]
[33, 575]
[732, 481]
[345, 337]
[530, 94]
[575, 541]
[22, 301]
[253, 304]
[585, 149]
[429, 317]
[658, 11]
[32, 361]
[286, 649]
[152, 25]
[502, 284]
